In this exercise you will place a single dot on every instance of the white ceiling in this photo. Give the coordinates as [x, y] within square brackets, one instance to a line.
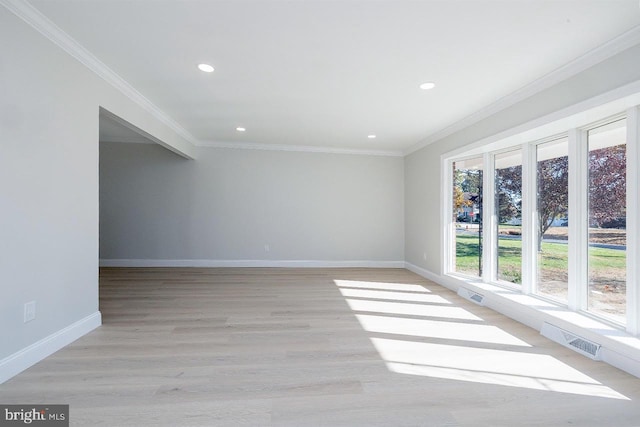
[329, 73]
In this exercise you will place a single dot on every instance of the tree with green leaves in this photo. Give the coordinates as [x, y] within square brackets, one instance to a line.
[553, 192]
[607, 185]
[466, 183]
[509, 193]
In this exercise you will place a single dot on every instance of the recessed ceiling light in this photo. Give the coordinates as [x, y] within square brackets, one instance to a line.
[371, 136]
[427, 86]
[239, 129]
[206, 68]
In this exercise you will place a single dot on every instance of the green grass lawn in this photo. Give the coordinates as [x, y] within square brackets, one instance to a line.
[603, 262]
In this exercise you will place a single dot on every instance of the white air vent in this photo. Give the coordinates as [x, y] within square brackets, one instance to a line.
[471, 295]
[581, 345]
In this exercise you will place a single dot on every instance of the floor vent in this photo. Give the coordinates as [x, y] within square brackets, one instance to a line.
[581, 345]
[471, 295]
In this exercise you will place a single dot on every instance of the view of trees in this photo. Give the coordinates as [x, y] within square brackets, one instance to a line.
[467, 186]
[604, 211]
[553, 192]
[509, 193]
[607, 186]
[467, 195]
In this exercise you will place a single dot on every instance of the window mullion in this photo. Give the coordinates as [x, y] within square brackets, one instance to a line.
[633, 219]
[578, 220]
[448, 237]
[529, 219]
[489, 221]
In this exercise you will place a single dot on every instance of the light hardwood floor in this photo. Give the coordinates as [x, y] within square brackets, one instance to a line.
[315, 347]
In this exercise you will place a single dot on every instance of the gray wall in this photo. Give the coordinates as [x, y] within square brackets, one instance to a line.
[48, 188]
[49, 106]
[230, 203]
[423, 169]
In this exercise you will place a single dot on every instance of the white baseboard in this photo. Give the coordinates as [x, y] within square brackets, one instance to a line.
[621, 361]
[424, 273]
[618, 348]
[212, 263]
[12, 365]
[445, 281]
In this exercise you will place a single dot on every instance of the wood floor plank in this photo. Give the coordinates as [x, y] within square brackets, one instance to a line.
[315, 347]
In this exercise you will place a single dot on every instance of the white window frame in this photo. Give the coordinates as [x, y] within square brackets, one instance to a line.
[530, 206]
[578, 225]
[578, 202]
[494, 217]
[449, 224]
[582, 188]
[633, 221]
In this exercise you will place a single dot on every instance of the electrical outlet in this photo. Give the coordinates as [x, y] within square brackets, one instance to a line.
[266, 248]
[29, 311]
[424, 255]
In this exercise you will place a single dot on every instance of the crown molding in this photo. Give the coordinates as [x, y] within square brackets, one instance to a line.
[51, 31]
[55, 34]
[106, 113]
[585, 113]
[300, 148]
[613, 47]
[125, 141]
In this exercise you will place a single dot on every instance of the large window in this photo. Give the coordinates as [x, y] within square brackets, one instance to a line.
[607, 220]
[552, 219]
[508, 210]
[467, 212]
[555, 217]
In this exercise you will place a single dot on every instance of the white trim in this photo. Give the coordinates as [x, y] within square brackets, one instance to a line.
[578, 223]
[633, 221]
[302, 148]
[489, 218]
[557, 122]
[578, 123]
[424, 273]
[51, 31]
[447, 223]
[152, 139]
[529, 219]
[578, 65]
[111, 140]
[620, 349]
[213, 263]
[55, 34]
[620, 361]
[14, 364]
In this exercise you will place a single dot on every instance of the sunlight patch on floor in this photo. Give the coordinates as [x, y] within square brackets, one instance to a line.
[438, 329]
[411, 309]
[513, 364]
[406, 287]
[489, 366]
[396, 296]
